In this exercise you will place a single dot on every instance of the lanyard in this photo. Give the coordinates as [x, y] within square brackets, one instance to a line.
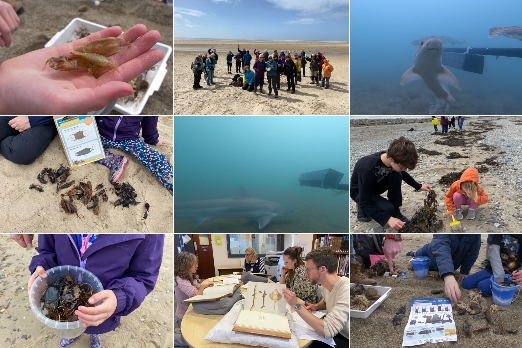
[85, 244]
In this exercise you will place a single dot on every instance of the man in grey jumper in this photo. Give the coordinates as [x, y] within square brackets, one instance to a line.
[321, 269]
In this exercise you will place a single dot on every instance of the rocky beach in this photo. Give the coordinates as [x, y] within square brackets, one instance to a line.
[490, 143]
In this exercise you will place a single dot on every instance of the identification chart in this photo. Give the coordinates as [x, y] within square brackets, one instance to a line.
[80, 139]
[430, 320]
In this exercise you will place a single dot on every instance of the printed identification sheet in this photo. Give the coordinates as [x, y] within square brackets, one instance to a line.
[430, 320]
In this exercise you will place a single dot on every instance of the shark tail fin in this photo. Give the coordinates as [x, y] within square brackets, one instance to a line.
[439, 103]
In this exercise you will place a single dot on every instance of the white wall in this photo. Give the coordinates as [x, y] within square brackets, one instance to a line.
[221, 254]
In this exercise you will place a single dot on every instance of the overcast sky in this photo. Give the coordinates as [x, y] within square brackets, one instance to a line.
[322, 20]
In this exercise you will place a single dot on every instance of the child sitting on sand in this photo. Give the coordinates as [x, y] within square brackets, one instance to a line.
[505, 256]
[127, 266]
[122, 133]
[465, 191]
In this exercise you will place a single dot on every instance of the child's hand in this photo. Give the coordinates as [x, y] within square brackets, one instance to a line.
[162, 142]
[425, 187]
[40, 271]
[94, 316]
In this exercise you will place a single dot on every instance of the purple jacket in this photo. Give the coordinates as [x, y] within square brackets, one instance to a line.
[117, 128]
[259, 69]
[127, 264]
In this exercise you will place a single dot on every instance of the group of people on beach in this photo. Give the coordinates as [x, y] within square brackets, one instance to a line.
[446, 123]
[448, 253]
[274, 65]
[385, 171]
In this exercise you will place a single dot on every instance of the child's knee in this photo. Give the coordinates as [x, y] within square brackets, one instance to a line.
[485, 287]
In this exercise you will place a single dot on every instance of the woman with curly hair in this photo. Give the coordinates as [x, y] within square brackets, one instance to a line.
[186, 285]
[293, 275]
[252, 263]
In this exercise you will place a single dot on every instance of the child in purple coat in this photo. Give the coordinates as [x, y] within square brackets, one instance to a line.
[123, 133]
[127, 265]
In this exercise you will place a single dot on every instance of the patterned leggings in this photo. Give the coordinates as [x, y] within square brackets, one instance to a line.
[154, 161]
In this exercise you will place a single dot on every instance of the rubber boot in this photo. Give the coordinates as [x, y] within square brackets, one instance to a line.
[261, 90]
[255, 90]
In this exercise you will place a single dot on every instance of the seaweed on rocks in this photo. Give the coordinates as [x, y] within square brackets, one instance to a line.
[425, 219]
[428, 152]
[450, 178]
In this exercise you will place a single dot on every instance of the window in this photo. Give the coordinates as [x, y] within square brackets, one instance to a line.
[261, 243]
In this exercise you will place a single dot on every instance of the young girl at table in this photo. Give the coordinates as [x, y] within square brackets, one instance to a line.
[293, 275]
[186, 285]
[127, 266]
[123, 133]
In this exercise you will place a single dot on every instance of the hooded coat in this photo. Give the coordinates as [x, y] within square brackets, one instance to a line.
[117, 128]
[470, 174]
[127, 264]
[327, 69]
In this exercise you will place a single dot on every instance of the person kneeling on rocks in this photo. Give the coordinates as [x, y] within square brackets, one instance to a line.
[380, 172]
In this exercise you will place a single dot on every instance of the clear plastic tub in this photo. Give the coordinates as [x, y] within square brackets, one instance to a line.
[62, 329]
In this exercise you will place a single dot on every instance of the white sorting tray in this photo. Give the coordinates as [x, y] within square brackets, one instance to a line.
[154, 76]
[383, 291]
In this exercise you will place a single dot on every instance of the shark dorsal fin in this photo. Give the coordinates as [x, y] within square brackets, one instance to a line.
[241, 193]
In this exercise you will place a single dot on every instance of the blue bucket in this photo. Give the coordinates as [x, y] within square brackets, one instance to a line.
[420, 266]
[502, 295]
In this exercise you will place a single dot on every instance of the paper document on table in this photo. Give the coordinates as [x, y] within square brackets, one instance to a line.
[305, 331]
[230, 281]
[214, 293]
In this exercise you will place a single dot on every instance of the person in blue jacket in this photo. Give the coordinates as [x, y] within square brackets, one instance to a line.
[271, 67]
[505, 257]
[209, 66]
[24, 138]
[127, 266]
[230, 56]
[448, 252]
[249, 79]
[247, 58]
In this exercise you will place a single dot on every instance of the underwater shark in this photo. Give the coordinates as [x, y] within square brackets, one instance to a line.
[444, 39]
[511, 32]
[239, 206]
[428, 67]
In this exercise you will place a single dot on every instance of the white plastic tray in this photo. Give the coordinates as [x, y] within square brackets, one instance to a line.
[383, 291]
[154, 76]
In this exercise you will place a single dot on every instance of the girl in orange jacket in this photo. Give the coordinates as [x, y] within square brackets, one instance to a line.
[466, 191]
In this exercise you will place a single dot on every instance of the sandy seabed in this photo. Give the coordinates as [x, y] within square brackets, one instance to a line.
[223, 99]
[378, 331]
[26, 210]
[150, 325]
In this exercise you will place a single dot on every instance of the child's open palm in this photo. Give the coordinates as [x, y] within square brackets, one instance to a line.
[94, 316]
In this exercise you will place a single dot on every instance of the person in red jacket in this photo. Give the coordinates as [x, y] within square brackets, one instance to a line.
[444, 123]
[466, 191]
